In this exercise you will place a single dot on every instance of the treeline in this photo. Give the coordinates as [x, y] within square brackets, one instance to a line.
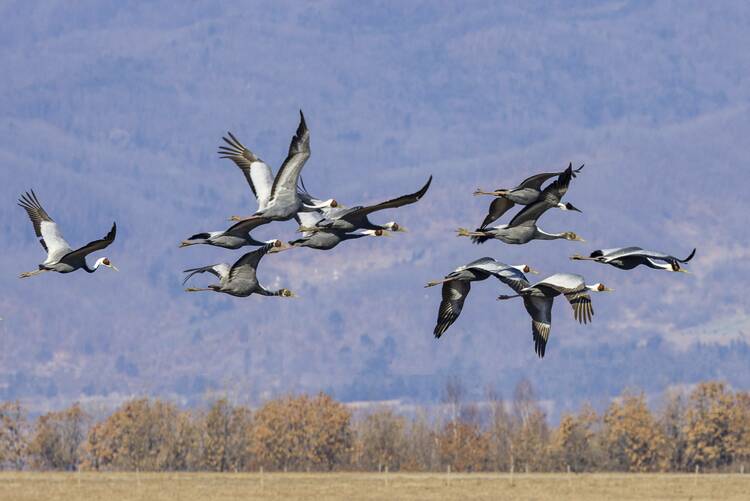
[707, 428]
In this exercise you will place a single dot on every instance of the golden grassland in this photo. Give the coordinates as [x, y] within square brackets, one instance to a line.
[344, 486]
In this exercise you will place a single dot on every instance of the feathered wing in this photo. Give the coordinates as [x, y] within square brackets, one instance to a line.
[257, 172]
[93, 246]
[536, 181]
[549, 198]
[220, 271]
[285, 183]
[454, 295]
[580, 301]
[498, 207]
[243, 228]
[540, 310]
[513, 278]
[573, 287]
[390, 204]
[245, 267]
[46, 229]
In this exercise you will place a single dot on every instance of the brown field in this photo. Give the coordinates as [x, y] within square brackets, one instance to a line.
[344, 486]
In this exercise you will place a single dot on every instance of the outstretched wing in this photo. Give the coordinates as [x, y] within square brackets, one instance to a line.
[46, 229]
[244, 227]
[257, 172]
[580, 301]
[285, 183]
[94, 246]
[454, 295]
[390, 204]
[244, 268]
[573, 287]
[220, 270]
[498, 207]
[513, 278]
[536, 181]
[540, 310]
[549, 198]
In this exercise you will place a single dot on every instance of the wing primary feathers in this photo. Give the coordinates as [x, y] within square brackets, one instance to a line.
[692, 254]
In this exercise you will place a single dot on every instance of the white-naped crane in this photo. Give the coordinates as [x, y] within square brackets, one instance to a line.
[457, 284]
[239, 279]
[523, 233]
[60, 256]
[235, 237]
[526, 193]
[550, 197]
[627, 258]
[538, 299]
[356, 218]
[279, 198]
[323, 239]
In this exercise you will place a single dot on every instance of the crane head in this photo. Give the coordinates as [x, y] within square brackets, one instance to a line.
[569, 235]
[599, 287]
[104, 261]
[393, 226]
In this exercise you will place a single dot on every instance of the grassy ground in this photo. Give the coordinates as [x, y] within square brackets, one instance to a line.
[345, 486]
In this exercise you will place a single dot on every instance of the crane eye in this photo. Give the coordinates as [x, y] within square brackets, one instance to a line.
[106, 262]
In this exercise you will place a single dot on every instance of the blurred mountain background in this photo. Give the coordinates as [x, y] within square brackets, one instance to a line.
[114, 112]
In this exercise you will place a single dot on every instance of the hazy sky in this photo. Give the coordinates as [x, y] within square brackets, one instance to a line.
[115, 113]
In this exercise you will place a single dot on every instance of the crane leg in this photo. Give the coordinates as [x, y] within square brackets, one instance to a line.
[463, 232]
[433, 283]
[503, 297]
[497, 193]
[28, 274]
[240, 218]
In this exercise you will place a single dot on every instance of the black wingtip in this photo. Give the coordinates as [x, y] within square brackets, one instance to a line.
[692, 254]
[424, 189]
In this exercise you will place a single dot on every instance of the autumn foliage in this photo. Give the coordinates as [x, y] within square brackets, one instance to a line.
[707, 428]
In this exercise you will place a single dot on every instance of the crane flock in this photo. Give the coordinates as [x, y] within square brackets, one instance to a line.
[325, 223]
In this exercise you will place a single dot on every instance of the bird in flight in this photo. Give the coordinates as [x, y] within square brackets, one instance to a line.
[457, 284]
[239, 279]
[538, 299]
[60, 256]
[526, 193]
[627, 258]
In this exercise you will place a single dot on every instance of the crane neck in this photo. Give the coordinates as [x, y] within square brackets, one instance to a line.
[543, 235]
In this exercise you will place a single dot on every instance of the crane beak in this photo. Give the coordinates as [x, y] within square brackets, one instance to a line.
[533, 271]
[607, 289]
[579, 239]
[402, 229]
[683, 270]
[185, 243]
[113, 267]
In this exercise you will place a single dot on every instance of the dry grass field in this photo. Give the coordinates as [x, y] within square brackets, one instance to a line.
[345, 486]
